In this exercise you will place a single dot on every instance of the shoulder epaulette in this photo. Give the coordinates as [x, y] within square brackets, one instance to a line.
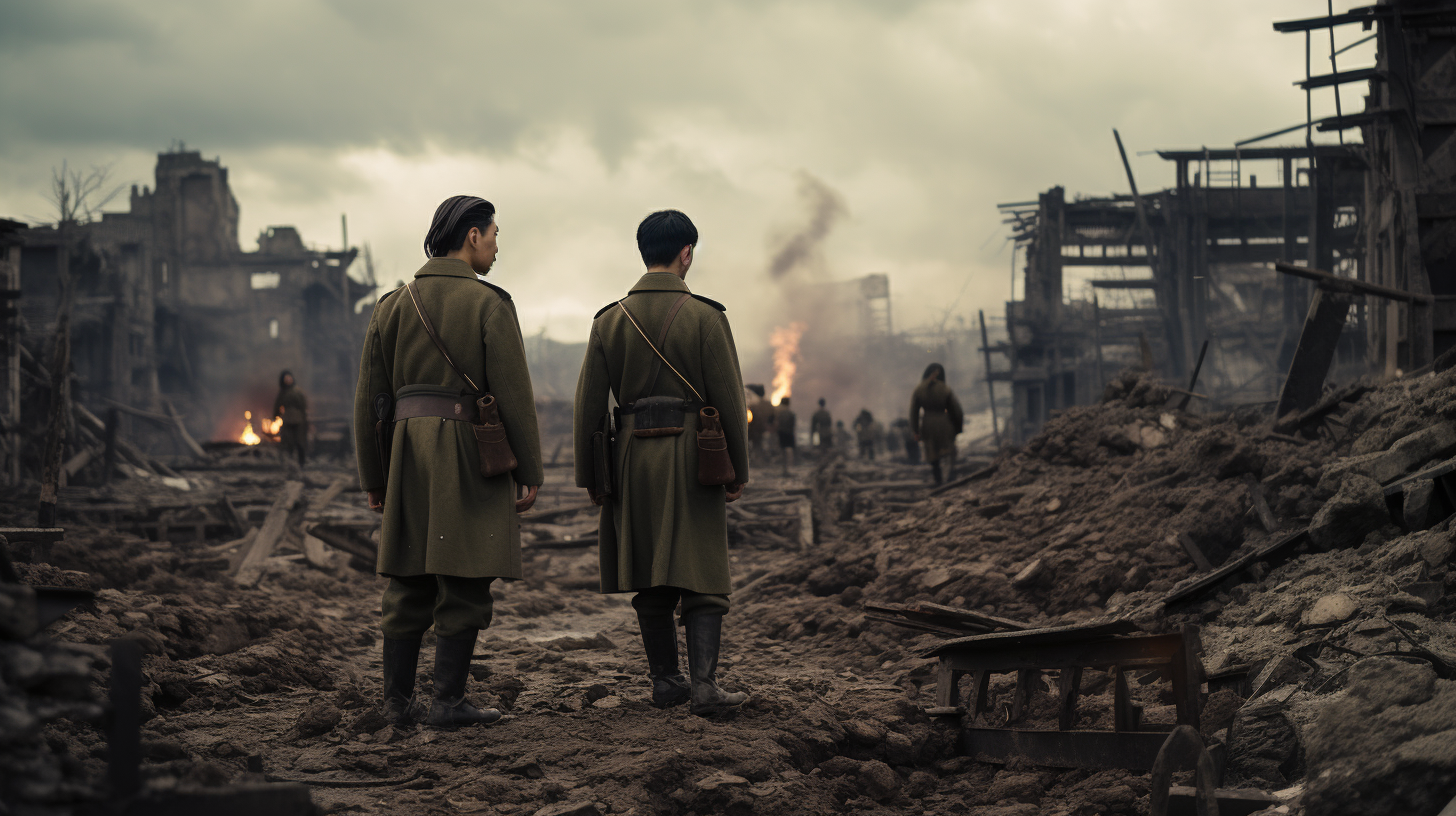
[604, 310]
[499, 291]
[715, 304]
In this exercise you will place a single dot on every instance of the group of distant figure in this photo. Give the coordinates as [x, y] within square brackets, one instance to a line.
[935, 420]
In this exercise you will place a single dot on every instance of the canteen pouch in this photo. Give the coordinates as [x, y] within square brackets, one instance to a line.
[657, 416]
[496, 456]
[715, 467]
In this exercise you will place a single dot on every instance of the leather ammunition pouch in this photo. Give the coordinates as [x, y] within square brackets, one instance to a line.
[658, 416]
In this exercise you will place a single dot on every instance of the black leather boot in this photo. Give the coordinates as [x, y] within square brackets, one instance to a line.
[659, 640]
[452, 667]
[401, 661]
[935, 472]
[705, 633]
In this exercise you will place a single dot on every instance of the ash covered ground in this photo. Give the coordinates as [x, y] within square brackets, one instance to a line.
[1347, 636]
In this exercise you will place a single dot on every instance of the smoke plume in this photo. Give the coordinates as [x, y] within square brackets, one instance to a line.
[825, 208]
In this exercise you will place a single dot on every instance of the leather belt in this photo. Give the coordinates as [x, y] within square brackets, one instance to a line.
[688, 407]
[432, 405]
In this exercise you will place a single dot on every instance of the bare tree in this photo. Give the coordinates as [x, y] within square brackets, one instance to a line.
[77, 197]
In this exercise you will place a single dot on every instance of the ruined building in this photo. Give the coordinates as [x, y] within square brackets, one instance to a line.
[168, 309]
[1158, 278]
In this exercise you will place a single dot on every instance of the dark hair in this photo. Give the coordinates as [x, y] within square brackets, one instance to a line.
[286, 373]
[755, 388]
[935, 370]
[821, 402]
[662, 235]
[453, 220]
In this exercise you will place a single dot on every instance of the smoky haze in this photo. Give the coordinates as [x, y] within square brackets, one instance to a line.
[577, 120]
[801, 250]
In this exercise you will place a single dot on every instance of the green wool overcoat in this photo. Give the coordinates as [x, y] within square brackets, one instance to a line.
[943, 417]
[441, 517]
[662, 528]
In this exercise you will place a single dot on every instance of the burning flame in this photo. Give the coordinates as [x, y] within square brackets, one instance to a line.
[249, 436]
[785, 341]
[272, 428]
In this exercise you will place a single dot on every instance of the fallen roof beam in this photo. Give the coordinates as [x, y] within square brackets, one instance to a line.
[1355, 15]
[1350, 286]
[1144, 283]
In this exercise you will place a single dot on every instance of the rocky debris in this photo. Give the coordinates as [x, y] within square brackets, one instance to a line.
[42, 682]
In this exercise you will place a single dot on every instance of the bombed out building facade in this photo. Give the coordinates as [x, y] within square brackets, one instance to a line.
[169, 313]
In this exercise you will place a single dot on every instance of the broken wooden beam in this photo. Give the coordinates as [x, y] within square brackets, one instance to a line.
[806, 524]
[1314, 352]
[1195, 553]
[964, 480]
[182, 433]
[1335, 284]
[250, 569]
[1259, 504]
[1272, 553]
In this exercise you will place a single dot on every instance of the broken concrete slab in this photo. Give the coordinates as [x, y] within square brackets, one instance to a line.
[1335, 608]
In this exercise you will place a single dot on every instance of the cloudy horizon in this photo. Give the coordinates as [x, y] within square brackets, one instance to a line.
[916, 117]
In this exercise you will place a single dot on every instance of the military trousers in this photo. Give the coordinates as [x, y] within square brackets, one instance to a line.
[659, 601]
[455, 606]
[293, 439]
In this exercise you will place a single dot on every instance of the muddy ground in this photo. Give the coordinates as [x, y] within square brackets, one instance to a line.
[1352, 638]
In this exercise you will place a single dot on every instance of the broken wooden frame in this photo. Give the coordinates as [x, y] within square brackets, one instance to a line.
[1069, 650]
[1322, 326]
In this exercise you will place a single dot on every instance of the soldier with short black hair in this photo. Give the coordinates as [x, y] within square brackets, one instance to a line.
[666, 355]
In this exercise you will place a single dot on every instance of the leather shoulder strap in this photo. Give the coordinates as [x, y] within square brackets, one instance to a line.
[638, 327]
[662, 342]
[430, 330]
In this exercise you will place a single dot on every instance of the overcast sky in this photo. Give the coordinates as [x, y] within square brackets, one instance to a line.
[577, 119]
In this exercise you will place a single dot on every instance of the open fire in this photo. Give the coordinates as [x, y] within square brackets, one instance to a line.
[785, 342]
[269, 426]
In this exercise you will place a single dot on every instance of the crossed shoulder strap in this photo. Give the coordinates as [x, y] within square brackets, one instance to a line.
[662, 339]
[430, 330]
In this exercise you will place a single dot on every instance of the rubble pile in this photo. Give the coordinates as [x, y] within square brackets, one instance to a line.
[42, 684]
[1084, 524]
[1334, 632]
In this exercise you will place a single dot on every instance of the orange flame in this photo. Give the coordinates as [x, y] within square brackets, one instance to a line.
[271, 428]
[785, 342]
[249, 436]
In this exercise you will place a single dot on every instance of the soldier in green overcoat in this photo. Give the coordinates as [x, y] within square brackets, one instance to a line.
[664, 535]
[448, 531]
[291, 406]
[943, 420]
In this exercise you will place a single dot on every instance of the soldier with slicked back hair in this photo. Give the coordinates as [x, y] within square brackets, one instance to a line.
[448, 531]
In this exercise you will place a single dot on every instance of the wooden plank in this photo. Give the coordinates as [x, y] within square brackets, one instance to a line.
[1314, 352]
[1192, 549]
[319, 554]
[981, 619]
[980, 474]
[1350, 286]
[182, 433]
[1098, 750]
[806, 524]
[1261, 507]
[251, 567]
[1069, 685]
[1276, 550]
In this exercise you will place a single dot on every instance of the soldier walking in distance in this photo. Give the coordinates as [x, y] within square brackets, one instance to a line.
[760, 419]
[864, 433]
[433, 350]
[784, 423]
[664, 354]
[822, 425]
[291, 406]
[943, 420]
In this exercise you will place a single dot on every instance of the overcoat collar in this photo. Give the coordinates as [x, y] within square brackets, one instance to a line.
[449, 267]
[660, 282]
